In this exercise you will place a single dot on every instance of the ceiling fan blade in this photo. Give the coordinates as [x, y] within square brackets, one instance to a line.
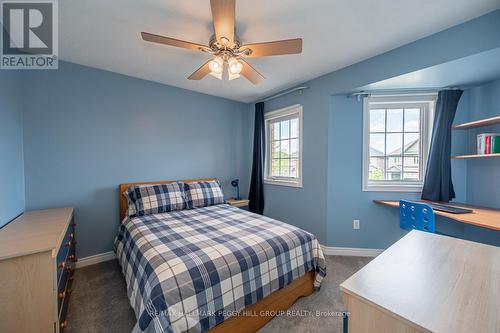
[200, 73]
[171, 41]
[279, 47]
[223, 13]
[251, 73]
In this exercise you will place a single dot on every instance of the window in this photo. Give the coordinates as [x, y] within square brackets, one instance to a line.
[396, 136]
[284, 146]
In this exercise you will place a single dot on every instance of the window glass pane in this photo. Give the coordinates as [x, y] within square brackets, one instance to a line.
[285, 129]
[377, 144]
[294, 167]
[394, 120]
[393, 168]
[275, 150]
[394, 143]
[275, 167]
[411, 168]
[294, 128]
[377, 120]
[395, 137]
[275, 131]
[283, 146]
[412, 120]
[285, 149]
[412, 144]
[294, 148]
[377, 168]
[285, 168]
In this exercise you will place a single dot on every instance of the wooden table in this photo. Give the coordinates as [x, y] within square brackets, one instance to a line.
[238, 202]
[481, 216]
[427, 283]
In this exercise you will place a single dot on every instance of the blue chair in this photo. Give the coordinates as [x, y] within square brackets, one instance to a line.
[419, 216]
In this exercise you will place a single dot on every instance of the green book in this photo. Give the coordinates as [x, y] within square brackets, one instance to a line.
[495, 144]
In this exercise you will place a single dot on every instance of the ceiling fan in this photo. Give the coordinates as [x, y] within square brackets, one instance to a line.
[226, 47]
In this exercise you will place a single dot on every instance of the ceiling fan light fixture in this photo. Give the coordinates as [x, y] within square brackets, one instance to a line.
[216, 75]
[216, 65]
[234, 66]
[231, 76]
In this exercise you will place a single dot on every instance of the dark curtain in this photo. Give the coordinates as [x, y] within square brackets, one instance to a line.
[437, 183]
[256, 195]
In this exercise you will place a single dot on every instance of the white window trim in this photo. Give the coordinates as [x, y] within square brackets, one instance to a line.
[426, 121]
[283, 181]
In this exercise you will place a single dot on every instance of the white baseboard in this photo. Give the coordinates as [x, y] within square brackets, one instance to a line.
[95, 259]
[327, 250]
[350, 251]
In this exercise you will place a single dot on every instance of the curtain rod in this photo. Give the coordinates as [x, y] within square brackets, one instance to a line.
[399, 91]
[284, 93]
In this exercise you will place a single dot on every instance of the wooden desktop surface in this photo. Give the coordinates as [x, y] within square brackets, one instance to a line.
[427, 282]
[481, 216]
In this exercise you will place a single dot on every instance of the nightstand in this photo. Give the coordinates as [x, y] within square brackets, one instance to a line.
[237, 203]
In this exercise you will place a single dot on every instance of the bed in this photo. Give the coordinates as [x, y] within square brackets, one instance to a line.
[216, 268]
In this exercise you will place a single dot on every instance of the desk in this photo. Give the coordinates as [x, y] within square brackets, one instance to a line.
[427, 283]
[481, 216]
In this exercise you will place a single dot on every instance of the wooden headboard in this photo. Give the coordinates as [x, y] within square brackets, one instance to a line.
[123, 187]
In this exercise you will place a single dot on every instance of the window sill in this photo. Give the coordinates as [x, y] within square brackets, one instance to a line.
[283, 183]
[393, 188]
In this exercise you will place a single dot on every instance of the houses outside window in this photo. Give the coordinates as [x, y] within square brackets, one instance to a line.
[396, 136]
[284, 146]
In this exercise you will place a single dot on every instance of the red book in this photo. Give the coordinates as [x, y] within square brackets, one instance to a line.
[487, 140]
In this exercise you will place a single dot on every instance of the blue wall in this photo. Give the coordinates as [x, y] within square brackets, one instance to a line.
[11, 147]
[379, 224]
[87, 130]
[304, 207]
[483, 175]
[327, 203]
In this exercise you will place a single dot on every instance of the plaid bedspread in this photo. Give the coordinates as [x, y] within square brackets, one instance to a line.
[189, 270]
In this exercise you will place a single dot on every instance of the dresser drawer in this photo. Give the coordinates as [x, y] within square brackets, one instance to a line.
[66, 259]
[64, 286]
[63, 305]
[67, 263]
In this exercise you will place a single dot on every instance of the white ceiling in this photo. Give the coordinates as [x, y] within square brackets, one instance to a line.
[336, 33]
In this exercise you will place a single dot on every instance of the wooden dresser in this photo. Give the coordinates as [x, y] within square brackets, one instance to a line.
[37, 260]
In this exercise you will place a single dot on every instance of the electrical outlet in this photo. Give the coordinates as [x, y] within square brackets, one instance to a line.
[355, 224]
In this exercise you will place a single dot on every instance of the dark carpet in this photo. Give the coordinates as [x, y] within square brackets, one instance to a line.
[99, 301]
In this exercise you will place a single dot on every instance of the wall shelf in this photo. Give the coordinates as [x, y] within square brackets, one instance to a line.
[478, 123]
[476, 156]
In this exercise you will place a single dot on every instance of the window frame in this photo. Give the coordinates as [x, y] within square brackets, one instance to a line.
[273, 115]
[426, 101]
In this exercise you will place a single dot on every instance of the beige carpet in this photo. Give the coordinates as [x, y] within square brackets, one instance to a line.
[99, 301]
